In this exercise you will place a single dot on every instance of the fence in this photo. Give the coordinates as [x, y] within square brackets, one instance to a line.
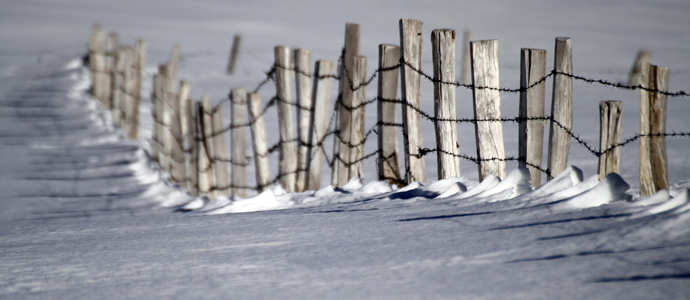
[189, 137]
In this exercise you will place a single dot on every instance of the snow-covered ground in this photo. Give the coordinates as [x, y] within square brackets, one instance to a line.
[83, 214]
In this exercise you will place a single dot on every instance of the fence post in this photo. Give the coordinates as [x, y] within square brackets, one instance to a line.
[317, 135]
[410, 79]
[139, 63]
[388, 166]
[189, 129]
[238, 121]
[111, 47]
[356, 151]
[532, 100]
[177, 156]
[642, 57]
[97, 62]
[341, 157]
[207, 175]
[288, 147]
[220, 154]
[233, 54]
[466, 60]
[487, 106]
[155, 100]
[561, 108]
[166, 113]
[256, 119]
[117, 90]
[130, 85]
[443, 53]
[610, 130]
[304, 111]
[658, 81]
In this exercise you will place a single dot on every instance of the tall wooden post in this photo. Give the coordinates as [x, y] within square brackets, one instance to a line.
[188, 114]
[610, 130]
[487, 105]
[111, 47]
[238, 110]
[263, 176]
[304, 111]
[410, 79]
[388, 166]
[658, 81]
[356, 151]
[205, 147]
[177, 156]
[288, 148]
[322, 91]
[345, 115]
[220, 154]
[156, 92]
[561, 107]
[127, 101]
[443, 52]
[532, 100]
[140, 63]
[97, 62]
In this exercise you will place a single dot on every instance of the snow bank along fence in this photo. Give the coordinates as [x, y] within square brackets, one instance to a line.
[189, 137]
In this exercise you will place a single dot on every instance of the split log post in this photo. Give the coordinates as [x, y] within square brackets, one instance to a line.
[155, 100]
[238, 121]
[263, 170]
[166, 116]
[288, 147]
[642, 57]
[466, 60]
[487, 105]
[410, 79]
[532, 101]
[189, 131]
[207, 175]
[356, 151]
[233, 54]
[657, 80]
[443, 53]
[97, 62]
[117, 86]
[342, 156]
[128, 86]
[177, 128]
[610, 130]
[139, 63]
[111, 47]
[220, 154]
[388, 166]
[304, 114]
[561, 108]
[322, 91]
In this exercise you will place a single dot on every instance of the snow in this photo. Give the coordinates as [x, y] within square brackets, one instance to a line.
[85, 215]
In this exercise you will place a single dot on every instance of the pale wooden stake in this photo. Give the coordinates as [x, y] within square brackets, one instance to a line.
[642, 57]
[127, 101]
[263, 170]
[322, 91]
[188, 115]
[111, 47]
[139, 63]
[388, 166]
[304, 111]
[156, 92]
[356, 151]
[233, 54]
[288, 147]
[561, 108]
[220, 155]
[466, 60]
[410, 79]
[443, 53]
[97, 63]
[532, 101]
[238, 110]
[487, 105]
[166, 110]
[177, 128]
[658, 80]
[342, 155]
[610, 131]
[207, 175]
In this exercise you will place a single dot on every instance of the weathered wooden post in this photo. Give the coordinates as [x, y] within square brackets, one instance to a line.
[188, 123]
[356, 151]
[97, 62]
[156, 92]
[304, 114]
[466, 60]
[127, 101]
[111, 46]
[263, 170]
[345, 108]
[322, 91]
[643, 57]
[610, 130]
[207, 176]
[653, 160]
[238, 121]
[388, 166]
[443, 53]
[233, 54]
[410, 79]
[561, 107]
[487, 109]
[166, 110]
[532, 100]
[119, 92]
[288, 147]
[178, 171]
[139, 64]
[220, 154]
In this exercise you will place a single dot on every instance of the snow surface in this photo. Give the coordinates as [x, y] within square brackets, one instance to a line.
[84, 215]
